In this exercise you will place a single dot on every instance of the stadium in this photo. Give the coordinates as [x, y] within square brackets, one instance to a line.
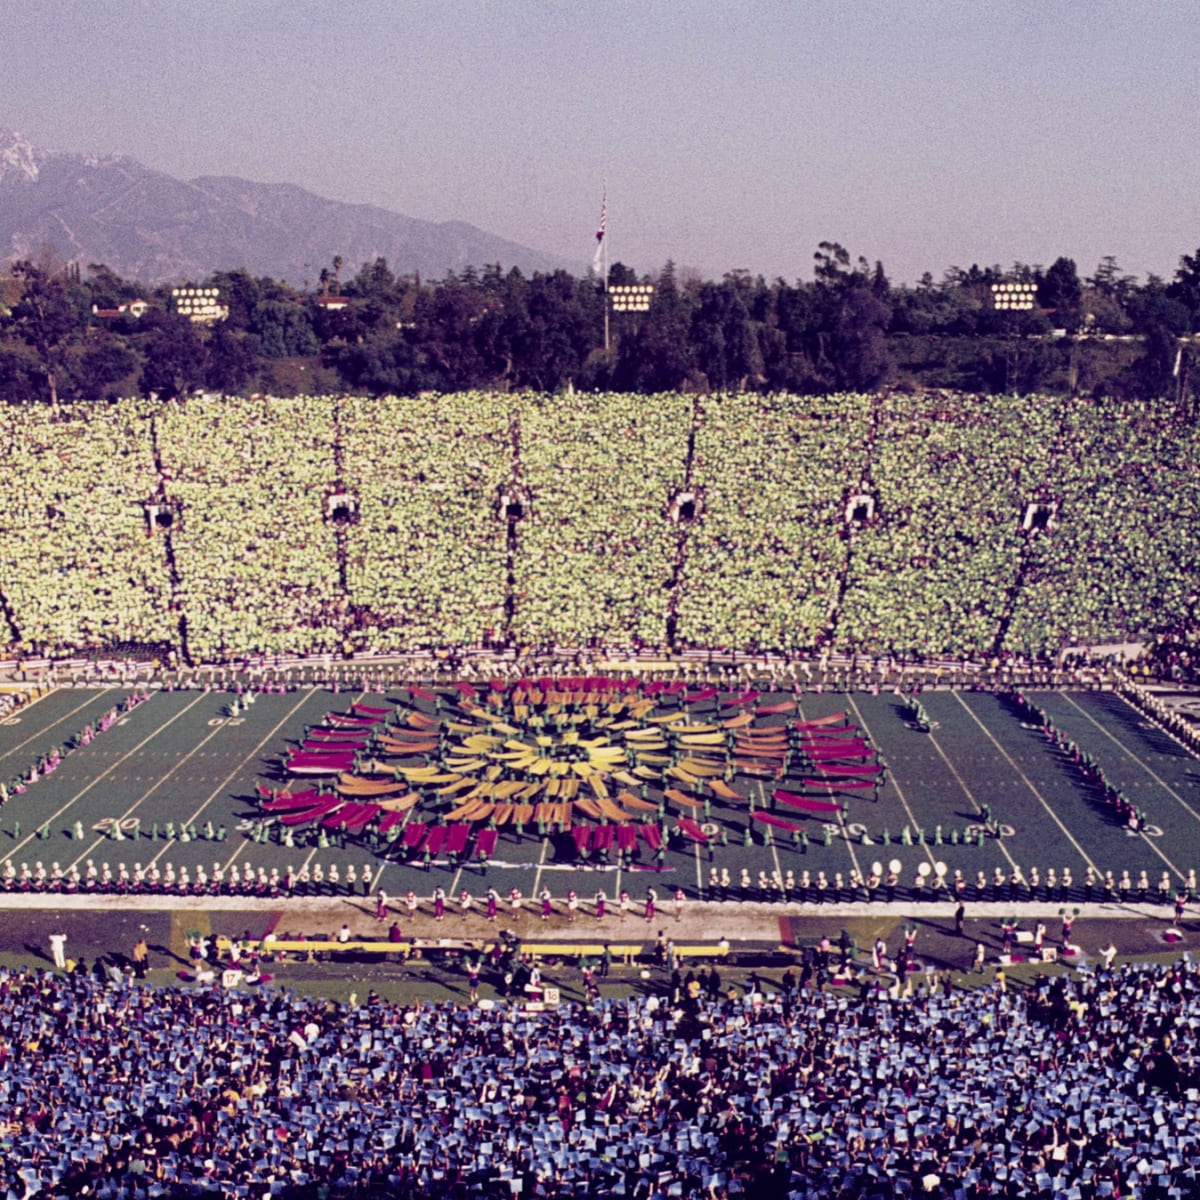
[584, 700]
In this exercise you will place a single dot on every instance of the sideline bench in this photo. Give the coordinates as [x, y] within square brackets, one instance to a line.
[325, 945]
[626, 952]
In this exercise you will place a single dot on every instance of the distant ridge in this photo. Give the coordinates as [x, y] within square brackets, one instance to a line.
[147, 225]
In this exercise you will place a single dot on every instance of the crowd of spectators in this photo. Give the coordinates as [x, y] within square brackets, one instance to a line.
[1080, 1087]
[1121, 555]
[257, 563]
[764, 565]
[1083, 1087]
[425, 562]
[76, 567]
[928, 570]
[597, 551]
[890, 525]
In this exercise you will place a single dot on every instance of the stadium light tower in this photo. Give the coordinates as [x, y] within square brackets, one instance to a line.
[628, 298]
[631, 297]
[1017, 298]
[1014, 297]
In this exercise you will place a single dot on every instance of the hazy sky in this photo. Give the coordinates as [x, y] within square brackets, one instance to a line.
[922, 133]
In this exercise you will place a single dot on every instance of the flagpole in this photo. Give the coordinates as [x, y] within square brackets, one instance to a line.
[604, 246]
[606, 303]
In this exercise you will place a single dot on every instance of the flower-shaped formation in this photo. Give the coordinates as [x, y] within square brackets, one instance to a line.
[542, 749]
[565, 752]
[552, 751]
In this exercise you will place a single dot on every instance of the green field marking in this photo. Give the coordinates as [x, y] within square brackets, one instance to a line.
[376, 876]
[1145, 766]
[537, 875]
[892, 780]
[1141, 834]
[456, 883]
[246, 842]
[930, 773]
[700, 860]
[841, 819]
[764, 804]
[1110, 840]
[1179, 872]
[177, 765]
[103, 775]
[96, 699]
[1030, 785]
[1012, 862]
[958, 741]
[241, 766]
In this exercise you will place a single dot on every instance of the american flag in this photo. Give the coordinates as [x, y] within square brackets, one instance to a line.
[598, 261]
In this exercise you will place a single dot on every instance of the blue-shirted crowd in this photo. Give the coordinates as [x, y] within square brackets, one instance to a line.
[1080, 1087]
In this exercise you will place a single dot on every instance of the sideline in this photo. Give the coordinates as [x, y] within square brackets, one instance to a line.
[757, 922]
[45, 729]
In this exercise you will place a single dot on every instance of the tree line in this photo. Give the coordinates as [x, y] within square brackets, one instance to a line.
[849, 328]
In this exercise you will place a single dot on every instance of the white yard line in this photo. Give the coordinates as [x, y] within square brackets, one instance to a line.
[895, 783]
[700, 877]
[1012, 862]
[1030, 785]
[841, 813]
[149, 792]
[1150, 842]
[762, 796]
[1130, 754]
[537, 875]
[241, 766]
[45, 729]
[242, 845]
[104, 774]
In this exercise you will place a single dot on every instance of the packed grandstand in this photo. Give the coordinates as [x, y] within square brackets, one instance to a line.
[1079, 1087]
[906, 526]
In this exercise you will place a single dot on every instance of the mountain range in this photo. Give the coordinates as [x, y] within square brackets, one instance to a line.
[148, 226]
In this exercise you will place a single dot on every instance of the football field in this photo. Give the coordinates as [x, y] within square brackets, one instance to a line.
[610, 787]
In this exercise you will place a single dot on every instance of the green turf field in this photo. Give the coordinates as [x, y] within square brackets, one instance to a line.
[181, 761]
